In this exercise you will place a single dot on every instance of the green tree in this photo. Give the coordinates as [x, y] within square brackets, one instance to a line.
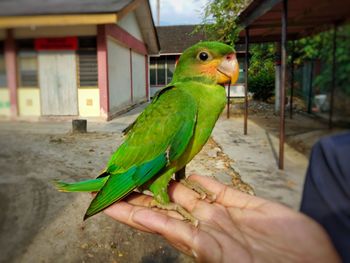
[219, 20]
[320, 47]
[261, 79]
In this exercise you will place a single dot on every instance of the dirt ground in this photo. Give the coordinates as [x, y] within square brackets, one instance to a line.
[39, 224]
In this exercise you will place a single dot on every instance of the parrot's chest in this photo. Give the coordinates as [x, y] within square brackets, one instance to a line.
[210, 107]
[208, 113]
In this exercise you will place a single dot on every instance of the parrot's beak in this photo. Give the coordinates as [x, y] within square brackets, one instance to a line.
[228, 69]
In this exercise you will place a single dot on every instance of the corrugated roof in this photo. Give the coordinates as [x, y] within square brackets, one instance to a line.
[46, 7]
[175, 39]
[305, 17]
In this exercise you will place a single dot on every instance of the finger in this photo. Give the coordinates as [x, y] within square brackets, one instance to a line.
[226, 195]
[145, 201]
[182, 235]
[183, 196]
[133, 202]
[123, 212]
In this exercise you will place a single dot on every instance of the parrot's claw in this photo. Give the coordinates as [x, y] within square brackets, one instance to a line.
[204, 193]
[176, 207]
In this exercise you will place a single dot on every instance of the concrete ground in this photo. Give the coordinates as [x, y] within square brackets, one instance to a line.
[255, 159]
[39, 224]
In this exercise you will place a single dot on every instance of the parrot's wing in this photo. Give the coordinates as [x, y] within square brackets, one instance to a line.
[159, 136]
[155, 98]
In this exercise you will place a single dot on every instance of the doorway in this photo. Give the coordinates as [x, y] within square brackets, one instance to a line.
[58, 83]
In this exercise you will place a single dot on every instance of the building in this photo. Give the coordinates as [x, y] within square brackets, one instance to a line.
[74, 57]
[173, 41]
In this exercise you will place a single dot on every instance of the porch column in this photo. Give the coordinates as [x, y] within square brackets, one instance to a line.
[11, 70]
[291, 81]
[283, 82]
[102, 64]
[246, 67]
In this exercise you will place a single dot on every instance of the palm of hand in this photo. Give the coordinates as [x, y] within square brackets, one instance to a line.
[235, 227]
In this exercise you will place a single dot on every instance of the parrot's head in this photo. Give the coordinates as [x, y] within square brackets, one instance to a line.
[211, 60]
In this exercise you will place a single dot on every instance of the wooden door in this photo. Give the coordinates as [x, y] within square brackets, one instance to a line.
[58, 83]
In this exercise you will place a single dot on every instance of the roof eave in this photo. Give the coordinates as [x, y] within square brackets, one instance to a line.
[256, 9]
[144, 16]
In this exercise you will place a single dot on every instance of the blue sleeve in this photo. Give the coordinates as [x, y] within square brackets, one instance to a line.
[326, 196]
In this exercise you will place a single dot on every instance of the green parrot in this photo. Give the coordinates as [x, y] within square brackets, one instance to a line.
[171, 130]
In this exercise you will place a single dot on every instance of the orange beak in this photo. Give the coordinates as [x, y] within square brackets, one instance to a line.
[228, 69]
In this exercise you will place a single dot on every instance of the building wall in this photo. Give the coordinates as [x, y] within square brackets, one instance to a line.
[4, 102]
[29, 101]
[139, 77]
[119, 76]
[130, 24]
[89, 102]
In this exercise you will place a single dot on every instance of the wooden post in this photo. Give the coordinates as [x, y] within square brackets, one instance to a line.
[334, 60]
[309, 104]
[11, 70]
[283, 82]
[291, 82]
[246, 66]
[228, 99]
[79, 126]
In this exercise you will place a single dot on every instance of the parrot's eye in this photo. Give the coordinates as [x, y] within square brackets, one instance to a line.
[203, 56]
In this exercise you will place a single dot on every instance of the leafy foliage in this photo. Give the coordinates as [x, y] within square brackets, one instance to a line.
[219, 20]
[262, 71]
[262, 84]
[320, 47]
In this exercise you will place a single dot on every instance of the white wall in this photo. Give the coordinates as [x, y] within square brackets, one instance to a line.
[119, 76]
[138, 77]
[129, 23]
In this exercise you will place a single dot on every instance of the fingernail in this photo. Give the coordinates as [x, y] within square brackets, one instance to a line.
[194, 254]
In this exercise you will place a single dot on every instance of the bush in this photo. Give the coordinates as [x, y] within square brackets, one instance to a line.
[262, 84]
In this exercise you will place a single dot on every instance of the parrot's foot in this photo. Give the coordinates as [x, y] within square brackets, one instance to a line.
[176, 207]
[204, 193]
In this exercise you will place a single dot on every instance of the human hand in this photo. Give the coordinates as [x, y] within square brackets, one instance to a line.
[236, 227]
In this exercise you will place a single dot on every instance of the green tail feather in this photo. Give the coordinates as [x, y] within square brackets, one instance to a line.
[120, 185]
[93, 185]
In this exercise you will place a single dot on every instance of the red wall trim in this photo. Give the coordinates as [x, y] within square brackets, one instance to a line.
[11, 70]
[146, 74]
[126, 38]
[102, 64]
[131, 79]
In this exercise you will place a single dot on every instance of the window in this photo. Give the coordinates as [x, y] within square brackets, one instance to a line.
[28, 69]
[153, 71]
[88, 68]
[241, 76]
[88, 76]
[170, 68]
[162, 70]
[161, 62]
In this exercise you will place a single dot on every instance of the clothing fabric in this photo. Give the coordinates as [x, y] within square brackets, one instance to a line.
[326, 195]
